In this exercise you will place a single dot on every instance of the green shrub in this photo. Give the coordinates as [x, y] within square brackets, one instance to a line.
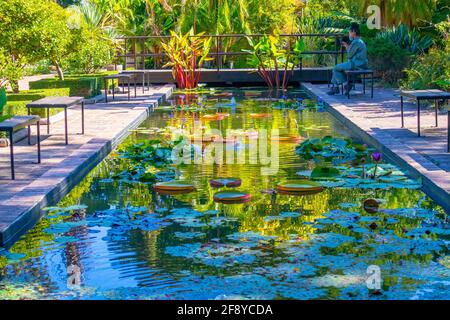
[429, 71]
[3, 99]
[388, 59]
[17, 102]
[410, 40]
[91, 54]
[87, 86]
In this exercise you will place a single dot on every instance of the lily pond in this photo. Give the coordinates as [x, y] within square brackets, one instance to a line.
[364, 230]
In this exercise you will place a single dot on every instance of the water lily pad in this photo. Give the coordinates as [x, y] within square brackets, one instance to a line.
[300, 187]
[174, 185]
[225, 182]
[229, 197]
[325, 173]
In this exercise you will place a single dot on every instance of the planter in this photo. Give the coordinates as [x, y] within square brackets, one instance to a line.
[4, 142]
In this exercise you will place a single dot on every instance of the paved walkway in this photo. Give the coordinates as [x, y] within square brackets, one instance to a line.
[62, 167]
[379, 119]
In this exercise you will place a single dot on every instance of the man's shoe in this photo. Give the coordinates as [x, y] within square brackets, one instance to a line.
[333, 91]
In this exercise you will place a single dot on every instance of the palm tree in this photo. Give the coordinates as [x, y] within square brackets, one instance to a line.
[409, 12]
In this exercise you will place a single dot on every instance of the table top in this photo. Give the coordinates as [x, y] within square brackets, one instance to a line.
[425, 94]
[55, 102]
[361, 71]
[18, 122]
[137, 71]
[118, 76]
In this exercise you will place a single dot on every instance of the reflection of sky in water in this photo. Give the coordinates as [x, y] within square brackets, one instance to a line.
[136, 244]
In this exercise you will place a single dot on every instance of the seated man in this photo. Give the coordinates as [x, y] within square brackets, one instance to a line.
[357, 59]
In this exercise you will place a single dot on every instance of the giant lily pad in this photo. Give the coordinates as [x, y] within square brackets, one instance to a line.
[225, 182]
[300, 187]
[174, 186]
[230, 197]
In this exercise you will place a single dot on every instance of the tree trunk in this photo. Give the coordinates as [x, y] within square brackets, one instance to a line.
[59, 71]
[14, 86]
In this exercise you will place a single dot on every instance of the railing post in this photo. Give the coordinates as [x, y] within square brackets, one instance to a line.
[125, 50]
[217, 53]
[135, 52]
[143, 53]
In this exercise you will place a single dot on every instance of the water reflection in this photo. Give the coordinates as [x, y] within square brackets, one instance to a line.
[131, 242]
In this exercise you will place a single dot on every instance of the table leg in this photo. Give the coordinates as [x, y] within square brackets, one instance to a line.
[11, 154]
[436, 107]
[113, 91]
[29, 135]
[371, 88]
[143, 83]
[106, 90]
[135, 86]
[65, 126]
[364, 83]
[129, 89]
[348, 86]
[82, 117]
[48, 120]
[418, 118]
[401, 111]
[38, 134]
[29, 129]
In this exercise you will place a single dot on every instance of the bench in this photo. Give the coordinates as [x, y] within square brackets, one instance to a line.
[351, 74]
[59, 102]
[16, 123]
[119, 77]
[419, 95]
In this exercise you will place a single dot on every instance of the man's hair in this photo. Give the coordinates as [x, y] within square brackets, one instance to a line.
[354, 27]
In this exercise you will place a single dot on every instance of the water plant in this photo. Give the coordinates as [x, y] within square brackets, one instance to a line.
[338, 150]
[271, 55]
[186, 54]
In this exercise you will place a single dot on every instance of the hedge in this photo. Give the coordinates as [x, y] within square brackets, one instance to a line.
[87, 86]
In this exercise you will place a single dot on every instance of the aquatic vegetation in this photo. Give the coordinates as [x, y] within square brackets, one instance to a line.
[279, 245]
[225, 182]
[145, 161]
[299, 187]
[230, 197]
[338, 150]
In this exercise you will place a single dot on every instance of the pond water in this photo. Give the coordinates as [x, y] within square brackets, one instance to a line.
[114, 237]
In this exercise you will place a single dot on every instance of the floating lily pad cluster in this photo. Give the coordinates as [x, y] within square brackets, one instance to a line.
[336, 150]
[388, 176]
[145, 161]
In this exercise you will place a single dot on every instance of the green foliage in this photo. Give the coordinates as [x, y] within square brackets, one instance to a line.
[333, 149]
[86, 85]
[186, 54]
[410, 40]
[429, 71]
[30, 31]
[394, 12]
[91, 52]
[17, 102]
[272, 54]
[3, 99]
[83, 85]
[388, 59]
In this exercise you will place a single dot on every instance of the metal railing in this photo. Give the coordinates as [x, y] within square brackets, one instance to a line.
[138, 49]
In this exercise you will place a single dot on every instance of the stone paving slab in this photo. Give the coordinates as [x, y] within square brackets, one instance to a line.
[377, 121]
[64, 166]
